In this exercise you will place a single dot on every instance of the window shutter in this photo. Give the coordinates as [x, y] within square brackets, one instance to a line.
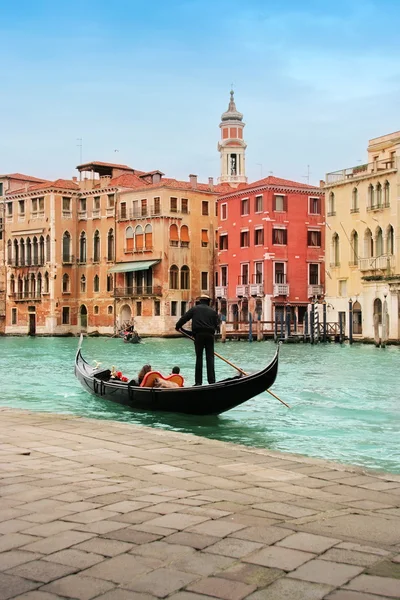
[184, 234]
[148, 240]
[285, 203]
[173, 233]
[204, 236]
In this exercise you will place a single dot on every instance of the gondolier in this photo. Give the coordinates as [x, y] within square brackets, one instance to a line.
[204, 324]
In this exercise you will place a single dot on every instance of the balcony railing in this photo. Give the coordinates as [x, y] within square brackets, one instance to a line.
[385, 261]
[82, 215]
[315, 290]
[67, 214]
[221, 291]
[96, 213]
[140, 290]
[68, 260]
[21, 262]
[242, 290]
[20, 296]
[378, 166]
[281, 289]
[256, 289]
[110, 211]
[148, 211]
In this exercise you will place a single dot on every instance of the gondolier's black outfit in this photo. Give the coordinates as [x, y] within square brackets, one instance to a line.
[204, 323]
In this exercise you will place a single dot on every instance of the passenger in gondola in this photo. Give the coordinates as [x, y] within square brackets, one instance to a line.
[145, 369]
[175, 370]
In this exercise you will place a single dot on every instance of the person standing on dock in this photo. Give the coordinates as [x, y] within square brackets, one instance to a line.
[204, 324]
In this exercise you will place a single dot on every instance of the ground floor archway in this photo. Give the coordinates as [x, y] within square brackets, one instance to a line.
[83, 316]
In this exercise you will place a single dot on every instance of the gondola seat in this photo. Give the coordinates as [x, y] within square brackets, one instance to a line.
[151, 376]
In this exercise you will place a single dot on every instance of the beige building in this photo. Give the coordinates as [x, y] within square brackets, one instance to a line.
[362, 242]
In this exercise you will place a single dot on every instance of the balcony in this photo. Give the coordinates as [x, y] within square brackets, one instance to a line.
[68, 260]
[383, 263]
[67, 214]
[361, 171]
[141, 290]
[315, 290]
[221, 291]
[281, 289]
[96, 213]
[82, 215]
[242, 290]
[145, 212]
[25, 296]
[110, 211]
[21, 262]
[256, 289]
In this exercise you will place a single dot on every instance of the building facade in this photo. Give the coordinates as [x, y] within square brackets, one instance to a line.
[271, 238]
[362, 242]
[117, 244]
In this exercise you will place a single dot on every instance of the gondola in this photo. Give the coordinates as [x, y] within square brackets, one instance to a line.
[132, 338]
[210, 399]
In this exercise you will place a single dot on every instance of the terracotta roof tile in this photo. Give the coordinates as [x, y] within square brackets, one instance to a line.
[271, 180]
[20, 176]
[65, 184]
[106, 164]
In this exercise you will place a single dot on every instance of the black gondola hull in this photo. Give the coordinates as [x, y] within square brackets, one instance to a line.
[197, 400]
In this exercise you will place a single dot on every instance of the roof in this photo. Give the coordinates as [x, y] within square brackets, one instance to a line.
[97, 163]
[21, 176]
[65, 184]
[274, 182]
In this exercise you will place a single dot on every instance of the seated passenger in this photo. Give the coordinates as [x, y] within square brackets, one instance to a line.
[159, 382]
[175, 370]
[145, 369]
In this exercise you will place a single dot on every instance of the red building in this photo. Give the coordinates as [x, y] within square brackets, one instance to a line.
[271, 239]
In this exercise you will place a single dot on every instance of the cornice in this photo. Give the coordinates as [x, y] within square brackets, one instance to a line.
[275, 188]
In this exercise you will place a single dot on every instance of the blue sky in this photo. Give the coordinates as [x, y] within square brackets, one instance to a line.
[315, 79]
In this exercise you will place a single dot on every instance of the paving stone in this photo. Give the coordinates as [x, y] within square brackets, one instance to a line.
[190, 596]
[13, 526]
[132, 535]
[202, 563]
[350, 557]
[383, 586]
[287, 510]
[289, 589]
[348, 595]
[11, 585]
[218, 528]
[120, 594]
[58, 542]
[251, 574]
[385, 568]
[137, 516]
[13, 558]
[75, 558]
[234, 547]
[162, 582]
[103, 546]
[38, 595]
[308, 542]
[279, 558]
[47, 529]
[78, 586]
[396, 559]
[100, 527]
[264, 535]
[162, 551]
[324, 571]
[222, 588]
[195, 540]
[90, 516]
[177, 521]
[362, 548]
[122, 569]
[15, 540]
[40, 570]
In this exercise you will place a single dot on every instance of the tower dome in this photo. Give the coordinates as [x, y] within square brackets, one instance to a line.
[232, 147]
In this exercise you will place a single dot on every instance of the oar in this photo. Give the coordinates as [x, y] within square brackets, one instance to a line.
[237, 368]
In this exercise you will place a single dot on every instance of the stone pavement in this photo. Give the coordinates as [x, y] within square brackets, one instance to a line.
[112, 511]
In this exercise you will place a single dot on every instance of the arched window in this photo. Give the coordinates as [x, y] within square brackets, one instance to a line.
[110, 245]
[41, 250]
[32, 286]
[9, 252]
[368, 244]
[22, 252]
[378, 242]
[335, 250]
[331, 204]
[35, 251]
[354, 247]
[378, 310]
[96, 283]
[95, 310]
[354, 200]
[48, 249]
[390, 240]
[139, 237]
[65, 283]
[129, 239]
[12, 285]
[110, 309]
[82, 247]
[148, 237]
[378, 194]
[185, 278]
[20, 287]
[66, 247]
[173, 235]
[370, 196]
[185, 239]
[39, 284]
[46, 283]
[110, 283]
[96, 246]
[83, 284]
[386, 194]
[28, 251]
[26, 287]
[173, 277]
[16, 253]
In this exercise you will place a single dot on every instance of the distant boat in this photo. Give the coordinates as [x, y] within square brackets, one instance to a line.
[132, 337]
[210, 399]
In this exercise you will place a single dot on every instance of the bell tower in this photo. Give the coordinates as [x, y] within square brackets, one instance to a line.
[232, 147]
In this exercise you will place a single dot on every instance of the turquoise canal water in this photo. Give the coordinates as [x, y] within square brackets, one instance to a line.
[345, 400]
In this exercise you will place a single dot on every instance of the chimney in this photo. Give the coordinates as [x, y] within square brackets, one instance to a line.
[321, 183]
[105, 180]
[156, 178]
[211, 183]
[193, 181]
[74, 179]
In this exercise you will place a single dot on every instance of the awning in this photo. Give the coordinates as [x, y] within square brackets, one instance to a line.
[136, 265]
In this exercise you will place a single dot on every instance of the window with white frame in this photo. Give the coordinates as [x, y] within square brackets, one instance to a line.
[313, 274]
[279, 203]
[224, 275]
[204, 280]
[342, 288]
[280, 272]
[244, 238]
[259, 236]
[279, 236]
[314, 206]
[223, 241]
[313, 238]
[258, 272]
[258, 204]
[244, 206]
[244, 273]
[224, 212]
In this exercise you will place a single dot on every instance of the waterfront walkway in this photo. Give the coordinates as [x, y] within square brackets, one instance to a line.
[112, 511]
